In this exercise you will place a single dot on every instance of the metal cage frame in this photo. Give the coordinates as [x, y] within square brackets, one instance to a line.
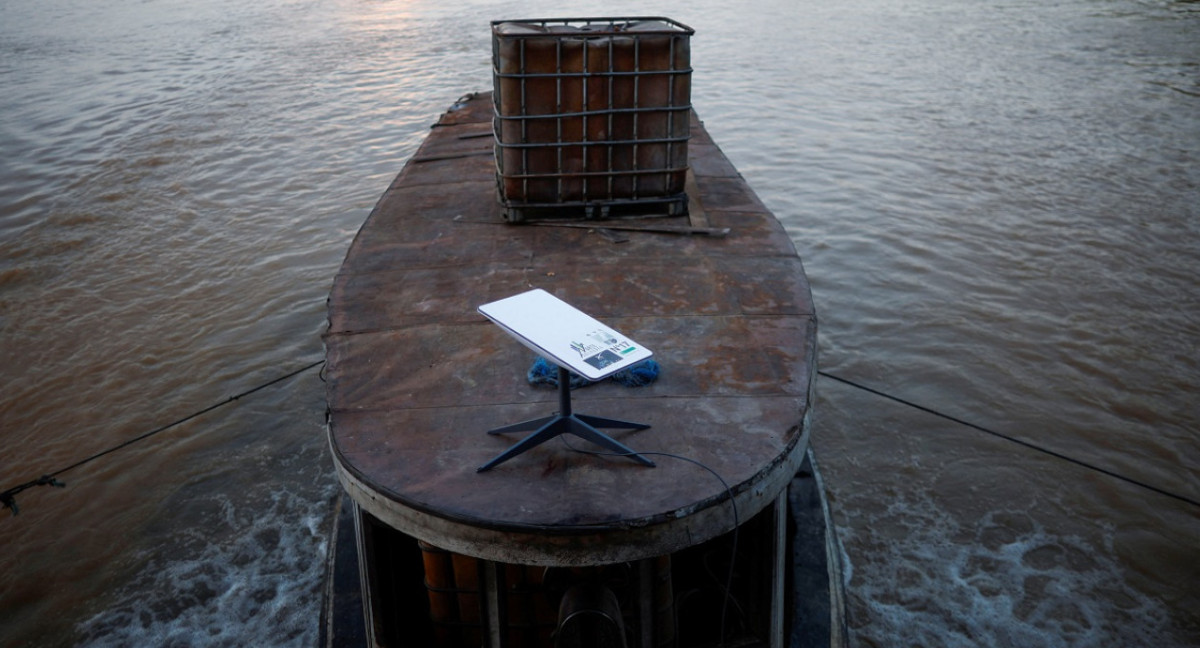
[591, 116]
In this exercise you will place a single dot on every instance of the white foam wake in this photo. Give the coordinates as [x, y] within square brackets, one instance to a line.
[258, 584]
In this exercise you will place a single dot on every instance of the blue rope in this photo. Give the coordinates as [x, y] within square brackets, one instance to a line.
[639, 375]
[544, 372]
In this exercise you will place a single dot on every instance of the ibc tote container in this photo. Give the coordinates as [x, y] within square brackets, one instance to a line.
[592, 115]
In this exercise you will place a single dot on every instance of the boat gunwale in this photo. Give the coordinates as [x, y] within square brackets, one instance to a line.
[551, 545]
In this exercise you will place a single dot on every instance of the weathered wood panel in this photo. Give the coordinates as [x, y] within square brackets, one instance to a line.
[416, 377]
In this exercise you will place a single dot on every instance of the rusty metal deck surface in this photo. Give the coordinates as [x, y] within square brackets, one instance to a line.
[416, 376]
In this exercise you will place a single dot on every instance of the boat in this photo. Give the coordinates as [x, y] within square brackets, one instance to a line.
[719, 537]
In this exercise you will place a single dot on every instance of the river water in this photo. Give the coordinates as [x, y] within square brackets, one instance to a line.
[998, 205]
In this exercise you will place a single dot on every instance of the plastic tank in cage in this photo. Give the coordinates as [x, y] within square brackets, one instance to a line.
[592, 115]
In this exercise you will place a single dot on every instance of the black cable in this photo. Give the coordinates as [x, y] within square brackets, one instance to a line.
[1006, 437]
[732, 503]
[8, 497]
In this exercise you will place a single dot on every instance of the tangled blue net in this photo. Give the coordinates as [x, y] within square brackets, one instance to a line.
[544, 372]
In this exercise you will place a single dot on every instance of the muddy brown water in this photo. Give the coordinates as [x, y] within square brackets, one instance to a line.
[997, 206]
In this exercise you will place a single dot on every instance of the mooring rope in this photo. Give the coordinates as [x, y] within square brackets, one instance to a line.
[8, 497]
[1012, 439]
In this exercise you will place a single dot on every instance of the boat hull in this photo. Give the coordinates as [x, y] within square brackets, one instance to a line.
[416, 377]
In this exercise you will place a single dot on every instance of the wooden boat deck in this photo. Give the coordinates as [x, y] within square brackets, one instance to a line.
[416, 376]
